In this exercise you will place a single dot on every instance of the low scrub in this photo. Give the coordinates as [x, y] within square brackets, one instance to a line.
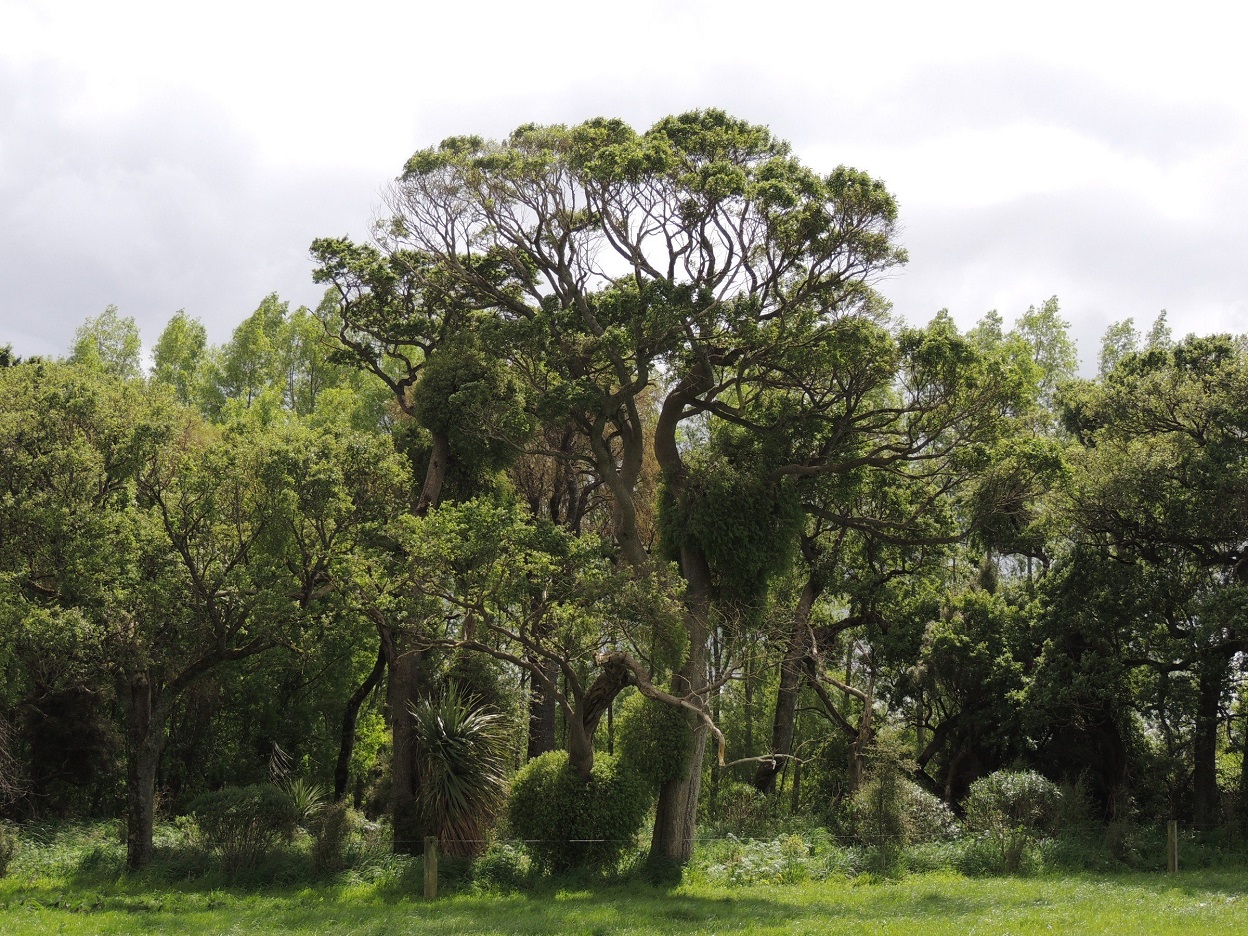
[566, 822]
[331, 832]
[242, 825]
[790, 858]
[1012, 809]
[8, 847]
[892, 811]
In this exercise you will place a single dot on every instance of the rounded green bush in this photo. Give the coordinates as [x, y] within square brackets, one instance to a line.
[893, 811]
[1015, 799]
[503, 868]
[738, 808]
[242, 824]
[331, 830]
[566, 822]
[1012, 808]
[653, 738]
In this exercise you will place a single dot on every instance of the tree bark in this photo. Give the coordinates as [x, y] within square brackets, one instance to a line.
[676, 814]
[591, 705]
[145, 739]
[543, 713]
[346, 745]
[782, 730]
[858, 747]
[435, 475]
[1205, 800]
[404, 666]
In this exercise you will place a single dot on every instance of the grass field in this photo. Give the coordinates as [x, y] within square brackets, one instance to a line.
[75, 884]
[1191, 903]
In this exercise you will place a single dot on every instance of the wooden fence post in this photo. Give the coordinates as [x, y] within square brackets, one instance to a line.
[1172, 845]
[431, 867]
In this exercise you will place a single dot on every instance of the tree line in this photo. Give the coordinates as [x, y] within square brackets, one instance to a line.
[613, 423]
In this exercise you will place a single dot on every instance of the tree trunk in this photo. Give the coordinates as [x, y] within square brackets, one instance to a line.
[435, 474]
[717, 677]
[866, 732]
[145, 739]
[1205, 805]
[782, 730]
[346, 745]
[1243, 774]
[543, 714]
[591, 705]
[747, 686]
[676, 815]
[404, 665]
[403, 662]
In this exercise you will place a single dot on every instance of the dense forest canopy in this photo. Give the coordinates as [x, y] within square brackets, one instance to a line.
[608, 440]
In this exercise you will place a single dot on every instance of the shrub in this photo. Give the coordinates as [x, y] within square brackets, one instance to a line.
[331, 830]
[306, 798]
[8, 847]
[1011, 809]
[567, 822]
[460, 770]
[501, 869]
[241, 825]
[738, 808]
[890, 810]
[784, 860]
[931, 819]
[654, 738]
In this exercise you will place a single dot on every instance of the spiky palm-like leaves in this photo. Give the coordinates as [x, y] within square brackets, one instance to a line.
[460, 770]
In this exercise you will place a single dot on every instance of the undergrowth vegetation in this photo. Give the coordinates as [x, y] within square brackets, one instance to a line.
[343, 849]
[71, 878]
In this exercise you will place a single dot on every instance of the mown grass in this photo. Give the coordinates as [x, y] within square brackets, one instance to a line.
[74, 882]
[1196, 902]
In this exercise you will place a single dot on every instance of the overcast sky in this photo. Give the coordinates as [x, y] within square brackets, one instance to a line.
[163, 156]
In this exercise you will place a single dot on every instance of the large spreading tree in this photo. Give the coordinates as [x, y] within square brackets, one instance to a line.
[691, 296]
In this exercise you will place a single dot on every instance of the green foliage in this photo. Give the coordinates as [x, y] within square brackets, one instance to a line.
[70, 878]
[787, 859]
[1053, 350]
[891, 811]
[468, 394]
[566, 822]
[109, 343]
[1120, 339]
[970, 656]
[8, 847]
[1011, 809]
[503, 867]
[739, 809]
[654, 738]
[479, 680]
[502, 570]
[241, 825]
[744, 523]
[178, 356]
[1009, 496]
[331, 831]
[460, 776]
[307, 798]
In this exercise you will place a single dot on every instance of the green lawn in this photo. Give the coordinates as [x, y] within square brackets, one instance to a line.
[1190, 903]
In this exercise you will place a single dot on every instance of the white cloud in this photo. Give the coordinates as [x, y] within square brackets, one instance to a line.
[162, 156]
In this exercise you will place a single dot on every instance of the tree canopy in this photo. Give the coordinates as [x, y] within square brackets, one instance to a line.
[613, 421]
